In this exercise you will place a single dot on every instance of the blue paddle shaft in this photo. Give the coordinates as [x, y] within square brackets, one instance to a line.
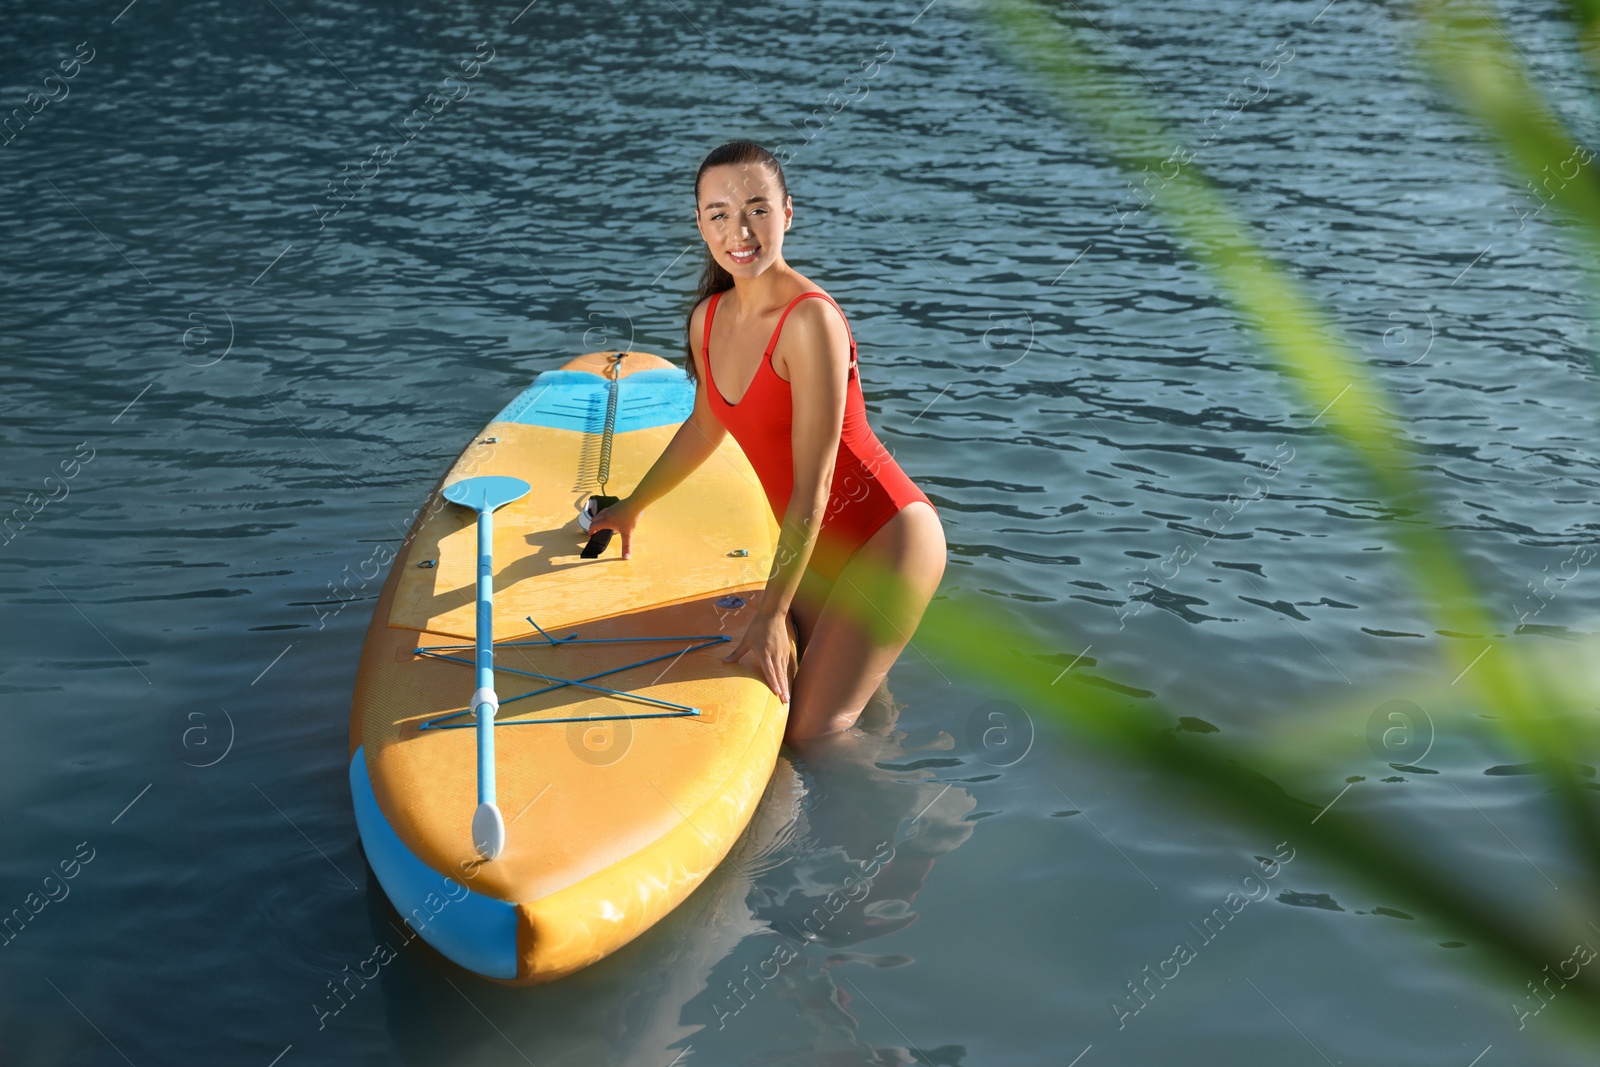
[485, 640]
[483, 495]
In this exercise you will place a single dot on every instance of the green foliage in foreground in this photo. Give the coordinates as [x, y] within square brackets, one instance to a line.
[1536, 698]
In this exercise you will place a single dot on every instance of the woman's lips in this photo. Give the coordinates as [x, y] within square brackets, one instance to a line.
[744, 256]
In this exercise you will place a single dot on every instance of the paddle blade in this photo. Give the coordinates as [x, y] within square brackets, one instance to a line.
[487, 492]
[488, 831]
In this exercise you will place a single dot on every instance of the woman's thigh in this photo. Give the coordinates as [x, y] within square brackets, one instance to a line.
[806, 607]
[867, 619]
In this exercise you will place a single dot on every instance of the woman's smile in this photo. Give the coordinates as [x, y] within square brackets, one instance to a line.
[744, 255]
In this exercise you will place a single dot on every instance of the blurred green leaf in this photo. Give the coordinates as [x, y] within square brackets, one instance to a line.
[1536, 708]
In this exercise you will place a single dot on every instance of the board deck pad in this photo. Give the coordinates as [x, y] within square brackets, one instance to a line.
[682, 546]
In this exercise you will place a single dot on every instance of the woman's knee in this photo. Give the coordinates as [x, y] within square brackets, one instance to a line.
[808, 723]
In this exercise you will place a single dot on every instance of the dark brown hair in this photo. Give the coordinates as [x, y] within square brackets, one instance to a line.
[713, 278]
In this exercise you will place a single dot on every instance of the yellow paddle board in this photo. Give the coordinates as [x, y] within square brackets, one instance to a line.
[629, 757]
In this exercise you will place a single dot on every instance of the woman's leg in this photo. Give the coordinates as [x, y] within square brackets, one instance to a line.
[805, 609]
[857, 636]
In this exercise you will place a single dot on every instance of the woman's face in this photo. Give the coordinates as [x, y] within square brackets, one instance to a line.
[742, 215]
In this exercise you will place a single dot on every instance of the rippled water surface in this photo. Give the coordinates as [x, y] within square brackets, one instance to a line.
[252, 394]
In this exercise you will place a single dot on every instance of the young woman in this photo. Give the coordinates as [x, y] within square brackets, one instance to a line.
[861, 549]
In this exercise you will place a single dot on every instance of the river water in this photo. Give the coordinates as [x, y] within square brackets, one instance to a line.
[238, 393]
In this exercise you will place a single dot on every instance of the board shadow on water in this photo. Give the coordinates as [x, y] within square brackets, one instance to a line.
[757, 956]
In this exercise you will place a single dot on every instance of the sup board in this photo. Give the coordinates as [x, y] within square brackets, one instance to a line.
[624, 756]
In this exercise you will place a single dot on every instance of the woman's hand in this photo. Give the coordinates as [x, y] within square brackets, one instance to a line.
[768, 638]
[621, 517]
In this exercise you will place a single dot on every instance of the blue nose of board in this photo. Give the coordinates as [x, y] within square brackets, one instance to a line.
[487, 492]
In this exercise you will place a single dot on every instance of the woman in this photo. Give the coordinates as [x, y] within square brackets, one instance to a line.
[861, 549]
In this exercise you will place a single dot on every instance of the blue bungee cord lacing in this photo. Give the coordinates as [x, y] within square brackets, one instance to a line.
[443, 722]
[598, 543]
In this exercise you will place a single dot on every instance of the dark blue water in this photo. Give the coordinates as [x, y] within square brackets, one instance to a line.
[227, 384]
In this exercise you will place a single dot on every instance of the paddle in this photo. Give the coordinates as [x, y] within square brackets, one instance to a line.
[484, 495]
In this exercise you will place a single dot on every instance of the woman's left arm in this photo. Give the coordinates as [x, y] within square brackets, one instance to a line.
[815, 334]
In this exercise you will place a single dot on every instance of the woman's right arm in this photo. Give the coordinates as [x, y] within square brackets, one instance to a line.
[691, 446]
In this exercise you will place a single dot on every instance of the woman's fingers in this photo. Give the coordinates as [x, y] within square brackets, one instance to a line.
[773, 664]
[604, 521]
[777, 676]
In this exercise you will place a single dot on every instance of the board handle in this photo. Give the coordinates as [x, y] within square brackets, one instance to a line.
[600, 538]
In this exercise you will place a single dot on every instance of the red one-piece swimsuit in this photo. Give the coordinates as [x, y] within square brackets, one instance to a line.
[868, 485]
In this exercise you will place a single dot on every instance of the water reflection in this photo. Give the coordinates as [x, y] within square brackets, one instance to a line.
[756, 958]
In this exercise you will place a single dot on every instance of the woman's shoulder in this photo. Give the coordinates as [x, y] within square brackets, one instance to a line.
[705, 302]
[812, 326]
[697, 315]
[804, 286]
[815, 310]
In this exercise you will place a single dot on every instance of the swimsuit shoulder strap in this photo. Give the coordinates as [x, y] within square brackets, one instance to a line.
[705, 339]
[772, 344]
[711, 309]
